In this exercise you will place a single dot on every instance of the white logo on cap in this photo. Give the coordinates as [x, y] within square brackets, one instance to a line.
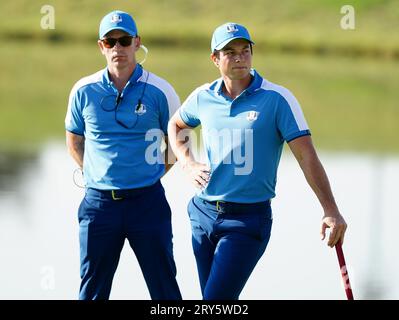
[116, 18]
[231, 28]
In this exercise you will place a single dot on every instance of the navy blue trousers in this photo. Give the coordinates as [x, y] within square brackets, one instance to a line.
[143, 217]
[228, 240]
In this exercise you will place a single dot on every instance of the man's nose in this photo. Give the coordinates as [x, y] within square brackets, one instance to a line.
[117, 44]
[238, 57]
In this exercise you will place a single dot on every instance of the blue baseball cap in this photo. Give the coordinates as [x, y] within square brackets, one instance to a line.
[228, 32]
[117, 20]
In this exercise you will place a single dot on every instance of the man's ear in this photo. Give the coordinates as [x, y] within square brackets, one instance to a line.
[137, 43]
[215, 58]
[101, 46]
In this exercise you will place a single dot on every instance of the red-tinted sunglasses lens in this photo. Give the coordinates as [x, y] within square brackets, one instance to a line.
[123, 41]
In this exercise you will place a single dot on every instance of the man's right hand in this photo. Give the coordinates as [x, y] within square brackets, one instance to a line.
[198, 173]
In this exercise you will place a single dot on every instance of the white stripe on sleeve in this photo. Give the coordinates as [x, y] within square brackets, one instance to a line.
[291, 100]
[170, 93]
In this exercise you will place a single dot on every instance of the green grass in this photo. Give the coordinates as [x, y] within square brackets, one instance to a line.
[304, 25]
[35, 91]
[350, 104]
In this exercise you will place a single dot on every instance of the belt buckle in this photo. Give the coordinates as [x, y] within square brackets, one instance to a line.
[114, 197]
[218, 208]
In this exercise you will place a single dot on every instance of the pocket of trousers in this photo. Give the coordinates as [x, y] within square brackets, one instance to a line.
[265, 226]
[91, 207]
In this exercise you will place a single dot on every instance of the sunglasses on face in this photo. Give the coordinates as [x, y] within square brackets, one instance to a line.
[124, 41]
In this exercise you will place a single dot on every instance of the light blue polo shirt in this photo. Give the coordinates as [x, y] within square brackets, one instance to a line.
[121, 156]
[244, 137]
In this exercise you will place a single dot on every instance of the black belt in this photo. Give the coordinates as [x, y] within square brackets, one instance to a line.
[120, 194]
[235, 207]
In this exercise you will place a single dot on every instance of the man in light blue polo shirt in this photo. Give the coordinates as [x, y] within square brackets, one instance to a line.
[114, 118]
[245, 121]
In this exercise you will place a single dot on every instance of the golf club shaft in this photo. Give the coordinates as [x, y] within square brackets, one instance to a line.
[344, 271]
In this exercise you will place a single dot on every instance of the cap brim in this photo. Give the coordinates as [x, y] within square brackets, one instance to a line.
[221, 45]
[128, 31]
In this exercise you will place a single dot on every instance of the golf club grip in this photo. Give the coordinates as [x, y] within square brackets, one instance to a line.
[344, 271]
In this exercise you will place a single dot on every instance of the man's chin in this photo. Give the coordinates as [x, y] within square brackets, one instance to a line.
[241, 75]
[119, 63]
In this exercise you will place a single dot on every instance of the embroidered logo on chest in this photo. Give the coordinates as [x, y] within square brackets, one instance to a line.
[252, 115]
[140, 109]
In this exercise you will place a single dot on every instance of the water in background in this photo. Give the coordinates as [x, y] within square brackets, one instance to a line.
[39, 250]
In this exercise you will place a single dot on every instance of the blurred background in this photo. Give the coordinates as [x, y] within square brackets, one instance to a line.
[343, 71]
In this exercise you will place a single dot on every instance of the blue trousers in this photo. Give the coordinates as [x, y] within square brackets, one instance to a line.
[228, 240]
[143, 217]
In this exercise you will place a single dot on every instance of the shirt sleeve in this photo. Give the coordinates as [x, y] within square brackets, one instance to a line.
[189, 110]
[291, 121]
[173, 103]
[74, 121]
